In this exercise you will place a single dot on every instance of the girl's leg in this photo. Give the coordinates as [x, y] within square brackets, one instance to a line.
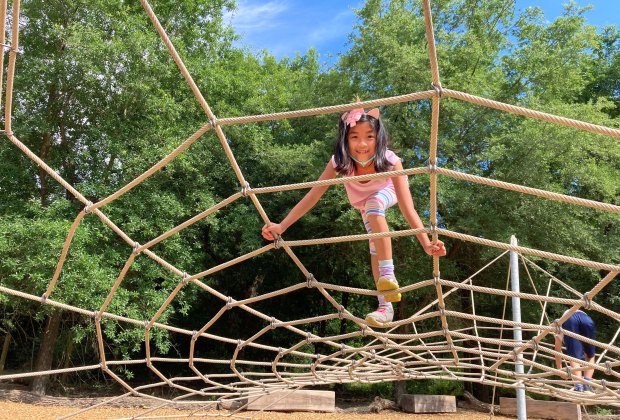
[384, 312]
[374, 219]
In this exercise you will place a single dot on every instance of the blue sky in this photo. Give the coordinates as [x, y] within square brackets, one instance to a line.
[285, 27]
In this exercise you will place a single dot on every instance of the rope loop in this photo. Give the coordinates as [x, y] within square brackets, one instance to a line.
[245, 188]
[587, 302]
[310, 281]
[438, 89]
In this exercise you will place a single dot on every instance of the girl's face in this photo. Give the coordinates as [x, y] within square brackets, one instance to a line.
[362, 141]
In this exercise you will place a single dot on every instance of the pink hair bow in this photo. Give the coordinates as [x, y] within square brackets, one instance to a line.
[352, 117]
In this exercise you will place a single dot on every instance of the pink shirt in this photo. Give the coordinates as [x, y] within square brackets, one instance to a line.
[359, 192]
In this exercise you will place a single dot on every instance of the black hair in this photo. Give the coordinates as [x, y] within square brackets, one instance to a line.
[344, 164]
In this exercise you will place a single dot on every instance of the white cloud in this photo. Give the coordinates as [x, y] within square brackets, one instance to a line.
[253, 16]
[335, 28]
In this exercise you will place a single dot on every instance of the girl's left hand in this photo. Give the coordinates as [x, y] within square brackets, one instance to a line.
[437, 249]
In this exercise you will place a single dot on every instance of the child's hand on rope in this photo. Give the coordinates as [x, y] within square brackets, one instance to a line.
[437, 249]
[269, 230]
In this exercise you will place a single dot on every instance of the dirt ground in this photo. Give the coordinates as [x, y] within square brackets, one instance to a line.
[21, 411]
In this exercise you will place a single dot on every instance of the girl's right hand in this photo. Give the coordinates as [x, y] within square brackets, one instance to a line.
[269, 230]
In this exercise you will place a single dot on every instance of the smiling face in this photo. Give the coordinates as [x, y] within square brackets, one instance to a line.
[362, 141]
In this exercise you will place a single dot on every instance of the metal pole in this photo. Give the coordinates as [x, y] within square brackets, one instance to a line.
[518, 338]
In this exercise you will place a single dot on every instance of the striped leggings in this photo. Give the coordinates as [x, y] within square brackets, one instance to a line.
[376, 205]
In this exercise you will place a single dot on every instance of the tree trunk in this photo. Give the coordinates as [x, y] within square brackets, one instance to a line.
[46, 352]
[5, 351]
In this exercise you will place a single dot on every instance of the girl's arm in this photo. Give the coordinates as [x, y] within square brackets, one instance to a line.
[306, 203]
[405, 203]
[558, 347]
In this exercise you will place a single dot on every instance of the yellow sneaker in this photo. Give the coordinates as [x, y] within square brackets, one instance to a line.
[386, 283]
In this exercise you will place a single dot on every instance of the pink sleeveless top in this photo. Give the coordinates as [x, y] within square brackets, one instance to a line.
[358, 192]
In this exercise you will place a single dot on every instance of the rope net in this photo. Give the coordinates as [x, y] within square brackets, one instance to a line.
[433, 343]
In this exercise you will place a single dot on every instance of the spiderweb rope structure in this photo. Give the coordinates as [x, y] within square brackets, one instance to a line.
[463, 346]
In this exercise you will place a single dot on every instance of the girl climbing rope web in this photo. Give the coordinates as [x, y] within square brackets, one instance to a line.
[361, 150]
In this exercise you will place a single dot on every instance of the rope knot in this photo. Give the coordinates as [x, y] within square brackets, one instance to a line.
[43, 298]
[136, 246]
[364, 328]
[432, 167]
[245, 189]
[87, 207]
[277, 242]
[214, 121]
[194, 334]
[343, 349]
[308, 337]
[438, 89]
[229, 302]
[587, 302]
[373, 354]
[436, 280]
[185, 279]
[239, 344]
[273, 323]
[341, 312]
[608, 366]
[558, 327]
[310, 281]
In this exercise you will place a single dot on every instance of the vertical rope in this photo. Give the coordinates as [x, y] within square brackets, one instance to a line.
[3, 10]
[8, 112]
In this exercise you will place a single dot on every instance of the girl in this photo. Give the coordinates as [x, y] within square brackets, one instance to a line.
[361, 150]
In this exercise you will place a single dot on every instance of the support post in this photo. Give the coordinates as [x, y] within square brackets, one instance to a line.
[518, 338]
